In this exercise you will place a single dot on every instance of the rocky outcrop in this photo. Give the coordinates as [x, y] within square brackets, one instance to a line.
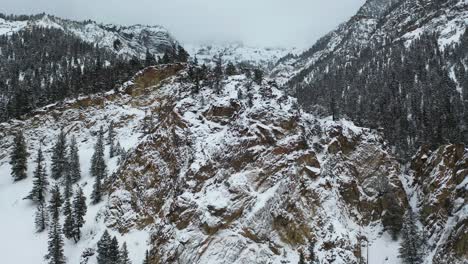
[221, 180]
[441, 179]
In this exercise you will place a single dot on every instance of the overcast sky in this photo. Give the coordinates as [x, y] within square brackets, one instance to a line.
[254, 22]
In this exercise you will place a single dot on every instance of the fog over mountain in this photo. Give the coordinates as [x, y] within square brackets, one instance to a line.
[261, 22]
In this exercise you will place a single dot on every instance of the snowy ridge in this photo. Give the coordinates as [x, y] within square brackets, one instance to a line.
[236, 53]
[127, 41]
[379, 21]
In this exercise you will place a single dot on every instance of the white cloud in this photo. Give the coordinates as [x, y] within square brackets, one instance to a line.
[254, 22]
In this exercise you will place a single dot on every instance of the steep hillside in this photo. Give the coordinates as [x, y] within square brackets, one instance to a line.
[127, 41]
[238, 176]
[440, 188]
[81, 118]
[396, 66]
[381, 22]
[45, 59]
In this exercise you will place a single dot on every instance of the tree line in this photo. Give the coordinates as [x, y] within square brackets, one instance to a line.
[416, 95]
[69, 201]
[40, 66]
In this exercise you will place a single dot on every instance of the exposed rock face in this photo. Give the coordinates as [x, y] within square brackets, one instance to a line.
[245, 176]
[222, 181]
[442, 182]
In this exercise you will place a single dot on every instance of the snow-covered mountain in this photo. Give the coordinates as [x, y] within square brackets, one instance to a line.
[127, 41]
[231, 169]
[237, 176]
[264, 58]
[379, 21]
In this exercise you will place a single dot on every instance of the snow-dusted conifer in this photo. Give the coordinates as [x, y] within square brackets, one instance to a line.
[68, 185]
[258, 76]
[18, 158]
[231, 69]
[312, 253]
[59, 157]
[147, 258]
[55, 202]
[111, 140]
[79, 211]
[41, 217]
[98, 168]
[124, 259]
[114, 252]
[69, 220]
[40, 181]
[55, 253]
[103, 249]
[412, 244]
[74, 162]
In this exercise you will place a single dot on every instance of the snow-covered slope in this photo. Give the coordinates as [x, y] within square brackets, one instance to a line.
[264, 58]
[243, 176]
[383, 22]
[240, 176]
[127, 41]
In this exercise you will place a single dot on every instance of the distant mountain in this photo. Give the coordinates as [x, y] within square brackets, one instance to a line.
[257, 57]
[380, 21]
[396, 65]
[203, 165]
[127, 41]
[45, 59]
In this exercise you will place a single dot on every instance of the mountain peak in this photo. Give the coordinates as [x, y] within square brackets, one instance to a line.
[127, 41]
[376, 8]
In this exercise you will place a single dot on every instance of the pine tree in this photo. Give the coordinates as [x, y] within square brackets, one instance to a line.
[312, 253]
[147, 258]
[96, 195]
[68, 185]
[165, 59]
[68, 224]
[124, 259]
[149, 59]
[103, 249]
[411, 249]
[40, 181]
[258, 76]
[79, 209]
[111, 140]
[55, 253]
[231, 69]
[74, 162]
[59, 161]
[218, 73]
[19, 157]
[182, 54]
[55, 202]
[41, 217]
[114, 252]
[118, 149]
[98, 169]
